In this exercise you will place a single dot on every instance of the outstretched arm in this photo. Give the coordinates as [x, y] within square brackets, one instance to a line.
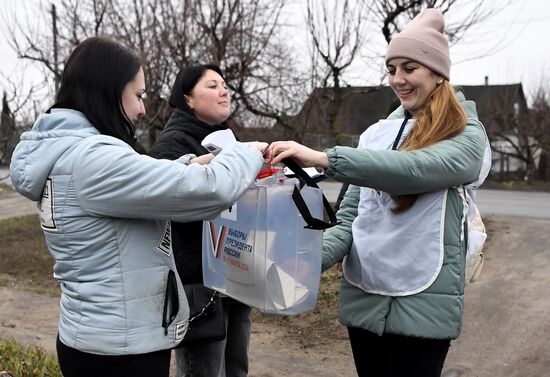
[444, 164]
[305, 156]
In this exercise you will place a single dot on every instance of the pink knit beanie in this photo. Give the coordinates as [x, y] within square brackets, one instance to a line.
[422, 40]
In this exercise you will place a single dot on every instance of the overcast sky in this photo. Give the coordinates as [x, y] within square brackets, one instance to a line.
[519, 32]
[525, 53]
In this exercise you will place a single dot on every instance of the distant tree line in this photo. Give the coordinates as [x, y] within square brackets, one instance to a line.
[251, 40]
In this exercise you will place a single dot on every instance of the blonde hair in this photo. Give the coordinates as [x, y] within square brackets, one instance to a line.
[441, 118]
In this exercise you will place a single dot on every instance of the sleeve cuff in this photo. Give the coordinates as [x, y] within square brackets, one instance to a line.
[186, 159]
[332, 162]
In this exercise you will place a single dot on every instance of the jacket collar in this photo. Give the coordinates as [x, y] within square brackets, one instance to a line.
[191, 125]
[468, 106]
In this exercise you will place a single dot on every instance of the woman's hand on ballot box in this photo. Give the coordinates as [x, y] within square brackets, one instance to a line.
[307, 157]
[203, 160]
[207, 158]
[259, 145]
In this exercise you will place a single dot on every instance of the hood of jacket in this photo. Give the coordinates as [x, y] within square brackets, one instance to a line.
[38, 150]
[472, 119]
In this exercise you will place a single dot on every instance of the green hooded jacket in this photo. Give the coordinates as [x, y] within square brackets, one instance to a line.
[436, 312]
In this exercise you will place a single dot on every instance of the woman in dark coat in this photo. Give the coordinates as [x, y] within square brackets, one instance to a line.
[201, 105]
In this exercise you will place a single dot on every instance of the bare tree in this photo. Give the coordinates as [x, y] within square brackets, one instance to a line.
[539, 119]
[536, 123]
[337, 34]
[9, 130]
[522, 135]
[141, 24]
[244, 38]
[515, 143]
[393, 15]
[241, 36]
[339, 30]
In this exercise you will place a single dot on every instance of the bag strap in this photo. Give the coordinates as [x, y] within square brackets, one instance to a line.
[205, 311]
[312, 222]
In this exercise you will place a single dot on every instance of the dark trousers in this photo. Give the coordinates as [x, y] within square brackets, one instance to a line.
[74, 363]
[395, 355]
[228, 357]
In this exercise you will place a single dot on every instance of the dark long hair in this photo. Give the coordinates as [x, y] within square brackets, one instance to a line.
[93, 80]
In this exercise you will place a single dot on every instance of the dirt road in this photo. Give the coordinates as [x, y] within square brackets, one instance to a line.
[505, 333]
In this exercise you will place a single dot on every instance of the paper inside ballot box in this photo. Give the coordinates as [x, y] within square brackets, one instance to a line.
[283, 289]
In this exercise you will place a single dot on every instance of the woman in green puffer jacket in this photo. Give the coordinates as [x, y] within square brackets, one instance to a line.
[401, 236]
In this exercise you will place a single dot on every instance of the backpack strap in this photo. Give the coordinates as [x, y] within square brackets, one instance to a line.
[473, 231]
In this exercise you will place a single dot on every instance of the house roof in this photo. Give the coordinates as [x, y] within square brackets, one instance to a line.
[489, 98]
[363, 106]
[360, 107]
[496, 104]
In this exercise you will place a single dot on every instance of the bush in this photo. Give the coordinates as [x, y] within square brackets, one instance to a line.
[20, 361]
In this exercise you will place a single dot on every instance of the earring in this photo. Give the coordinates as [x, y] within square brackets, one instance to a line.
[439, 82]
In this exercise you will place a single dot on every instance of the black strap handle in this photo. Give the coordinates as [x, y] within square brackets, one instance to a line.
[398, 137]
[312, 222]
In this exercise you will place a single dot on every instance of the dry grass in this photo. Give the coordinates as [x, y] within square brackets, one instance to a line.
[29, 266]
[20, 361]
[320, 326]
[5, 189]
[26, 263]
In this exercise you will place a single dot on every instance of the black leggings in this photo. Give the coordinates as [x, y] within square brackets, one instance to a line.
[395, 355]
[74, 363]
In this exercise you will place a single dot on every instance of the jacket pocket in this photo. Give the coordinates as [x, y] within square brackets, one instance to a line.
[171, 301]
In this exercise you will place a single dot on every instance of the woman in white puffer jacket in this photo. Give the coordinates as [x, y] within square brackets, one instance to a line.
[105, 212]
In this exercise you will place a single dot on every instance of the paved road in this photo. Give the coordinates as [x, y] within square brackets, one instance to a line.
[490, 202]
[11, 203]
[514, 203]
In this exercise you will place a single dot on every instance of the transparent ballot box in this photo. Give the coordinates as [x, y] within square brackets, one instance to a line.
[263, 252]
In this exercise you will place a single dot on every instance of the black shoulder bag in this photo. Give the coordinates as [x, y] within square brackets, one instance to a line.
[206, 316]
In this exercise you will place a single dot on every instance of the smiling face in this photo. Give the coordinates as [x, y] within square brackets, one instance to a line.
[412, 82]
[210, 99]
[132, 97]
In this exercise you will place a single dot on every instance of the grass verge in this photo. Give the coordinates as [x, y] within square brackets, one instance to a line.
[319, 327]
[5, 190]
[29, 266]
[27, 262]
[20, 361]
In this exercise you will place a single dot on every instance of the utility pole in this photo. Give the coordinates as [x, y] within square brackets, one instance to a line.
[55, 48]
